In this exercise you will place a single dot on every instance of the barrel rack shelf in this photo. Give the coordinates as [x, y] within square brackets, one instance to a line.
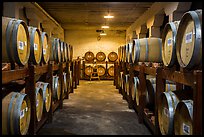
[180, 77]
[46, 75]
[105, 77]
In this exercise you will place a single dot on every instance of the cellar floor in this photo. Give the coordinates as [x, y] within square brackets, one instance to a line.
[95, 108]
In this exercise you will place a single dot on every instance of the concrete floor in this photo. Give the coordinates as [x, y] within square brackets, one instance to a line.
[95, 108]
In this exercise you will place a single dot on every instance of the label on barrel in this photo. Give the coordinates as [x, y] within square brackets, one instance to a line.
[169, 42]
[189, 37]
[26, 109]
[37, 101]
[44, 51]
[35, 46]
[22, 114]
[166, 112]
[186, 129]
[21, 45]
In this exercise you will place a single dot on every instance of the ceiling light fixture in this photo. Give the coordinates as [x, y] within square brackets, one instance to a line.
[105, 27]
[108, 17]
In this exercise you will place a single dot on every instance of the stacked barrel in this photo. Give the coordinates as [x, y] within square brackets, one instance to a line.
[179, 47]
[22, 44]
[100, 60]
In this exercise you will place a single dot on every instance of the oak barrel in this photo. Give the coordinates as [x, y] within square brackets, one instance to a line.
[166, 110]
[112, 56]
[46, 47]
[147, 50]
[62, 51]
[88, 70]
[56, 88]
[89, 56]
[119, 53]
[65, 82]
[189, 40]
[39, 103]
[101, 70]
[111, 71]
[127, 85]
[15, 41]
[46, 95]
[169, 43]
[71, 52]
[15, 114]
[55, 54]
[100, 56]
[183, 118]
[35, 45]
[151, 89]
[129, 54]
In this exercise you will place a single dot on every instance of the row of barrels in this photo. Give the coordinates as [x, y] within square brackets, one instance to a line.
[22, 44]
[101, 70]
[181, 44]
[16, 112]
[175, 114]
[100, 56]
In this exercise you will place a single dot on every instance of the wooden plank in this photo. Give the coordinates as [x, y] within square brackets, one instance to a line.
[41, 69]
[179, 77]
[55, 67]
[197, 105]
[136, 68]
[8, 76]
[41, 122]
[150, 70]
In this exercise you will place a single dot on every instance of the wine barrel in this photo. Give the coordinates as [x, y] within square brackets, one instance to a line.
[65, 82]
[100, 56]
[119, 54]
[35, 45]
[189, 40]
[124, 53]
[112, 56]
[127, 85]
[55, 54]
[62, 51]
[166, 110]
[56, 88]
[111, 71]
[46, 95]
[39, 103]
[65, 52]
[46, 47]
[147, 50]
[70, 81]
[121, 80]
[151, 89]
[71, 52]
[129, 55]
[169, 43]
[134, 88]
[89, 56]
[15, 41]
[183, 118]
[15, 114]
[101, 70]
[88, 70]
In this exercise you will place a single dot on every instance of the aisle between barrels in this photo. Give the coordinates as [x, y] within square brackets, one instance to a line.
[95, 108]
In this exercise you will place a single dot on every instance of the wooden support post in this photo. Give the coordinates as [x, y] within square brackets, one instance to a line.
[160, 87]
[50, 78]
[197, 104]
[30, 91]
[130, 100]
[141, 94]
[61, 83]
